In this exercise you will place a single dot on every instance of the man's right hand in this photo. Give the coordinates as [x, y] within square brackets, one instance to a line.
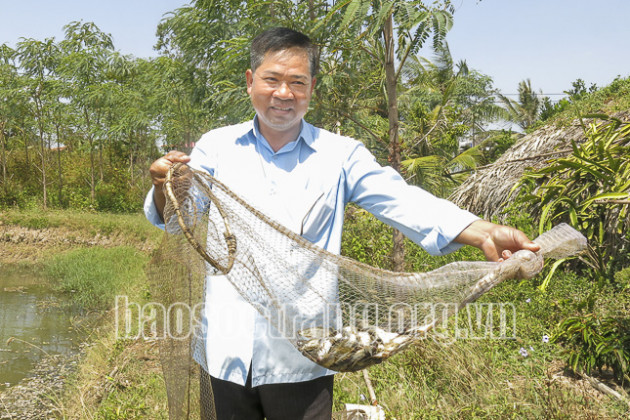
[158, 170]
[161, 166]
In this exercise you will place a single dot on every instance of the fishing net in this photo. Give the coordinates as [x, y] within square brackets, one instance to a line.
[339, 313]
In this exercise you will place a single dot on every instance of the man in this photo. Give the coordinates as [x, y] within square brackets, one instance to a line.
[302, 177]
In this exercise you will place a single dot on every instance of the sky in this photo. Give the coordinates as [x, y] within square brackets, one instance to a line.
[132, 23]
[551, 42]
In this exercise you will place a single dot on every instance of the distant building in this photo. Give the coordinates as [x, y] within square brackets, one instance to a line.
[57, 147]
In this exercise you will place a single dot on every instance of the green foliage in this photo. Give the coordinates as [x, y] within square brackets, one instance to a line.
[622, 278]
[609, 99]
[19, 198]
[579, 91]
[366, 239]
[573, 104]
[525, 110]
[410, 111]
[444, 103]
[93, 276]
[597, 343]
[550, 109]
[496, 143]
[588, 189]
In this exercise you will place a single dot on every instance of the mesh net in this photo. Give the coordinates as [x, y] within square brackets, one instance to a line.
[339, 313]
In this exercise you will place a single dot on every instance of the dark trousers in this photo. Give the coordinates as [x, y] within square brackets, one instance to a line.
[310, 400]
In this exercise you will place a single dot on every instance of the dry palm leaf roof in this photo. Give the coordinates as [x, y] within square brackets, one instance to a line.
[486, 191]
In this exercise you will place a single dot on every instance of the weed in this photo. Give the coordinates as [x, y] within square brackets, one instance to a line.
[93, 276]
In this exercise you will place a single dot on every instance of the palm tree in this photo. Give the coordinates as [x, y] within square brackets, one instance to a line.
[523, 112]
[444, 103]
[390, 33]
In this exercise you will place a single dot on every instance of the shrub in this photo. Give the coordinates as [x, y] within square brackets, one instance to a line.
[596, 343]
[588, 189]
[622, 278]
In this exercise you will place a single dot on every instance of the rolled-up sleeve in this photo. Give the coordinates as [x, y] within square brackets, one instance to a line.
[429, 221]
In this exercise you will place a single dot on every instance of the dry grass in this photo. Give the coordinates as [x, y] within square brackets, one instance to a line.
[117, 379]
[476, 379]
[32, 236]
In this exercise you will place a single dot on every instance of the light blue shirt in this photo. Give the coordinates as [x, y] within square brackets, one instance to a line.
[305, 186]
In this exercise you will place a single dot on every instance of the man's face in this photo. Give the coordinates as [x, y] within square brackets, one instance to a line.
[281, 90]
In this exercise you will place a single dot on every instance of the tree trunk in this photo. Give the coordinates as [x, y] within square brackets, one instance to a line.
[131, 153]
[60, 191]
[100, 156]
[398, 251]
[110, 145]
[100, 161]
[43, 152]
[28, 161]
[42, 144]
[311, 10]
[92, 176]
[91, 143]
[4, 159]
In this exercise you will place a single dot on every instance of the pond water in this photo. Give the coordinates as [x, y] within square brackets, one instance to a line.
[34, 322]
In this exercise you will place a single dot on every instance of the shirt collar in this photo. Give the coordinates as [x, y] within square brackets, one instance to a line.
[306, 133]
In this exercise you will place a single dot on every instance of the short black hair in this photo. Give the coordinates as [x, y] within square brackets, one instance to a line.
[278, 39]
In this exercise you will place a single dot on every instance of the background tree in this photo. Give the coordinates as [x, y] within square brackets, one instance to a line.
[10, 105]
[388, 33]
[86, 49]
[443, 104]
[524, 111]
[114, 112]
[38, 59]
[210, 40]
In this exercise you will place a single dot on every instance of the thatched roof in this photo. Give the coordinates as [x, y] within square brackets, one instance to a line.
[486, 191]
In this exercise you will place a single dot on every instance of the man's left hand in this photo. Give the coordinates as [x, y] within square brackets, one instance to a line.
[497, 242]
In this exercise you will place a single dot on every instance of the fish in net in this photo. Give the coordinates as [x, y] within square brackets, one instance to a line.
[340, 313]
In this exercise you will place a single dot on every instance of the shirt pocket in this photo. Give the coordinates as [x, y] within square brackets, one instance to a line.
[318, 216]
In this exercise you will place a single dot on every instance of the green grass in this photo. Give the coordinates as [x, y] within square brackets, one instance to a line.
[491, 378]
[485, 378]
[94, 276]
[472, 378]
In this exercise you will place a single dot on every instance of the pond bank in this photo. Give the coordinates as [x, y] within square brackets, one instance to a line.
[25, 244]
[33, 241]
[35, 397]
